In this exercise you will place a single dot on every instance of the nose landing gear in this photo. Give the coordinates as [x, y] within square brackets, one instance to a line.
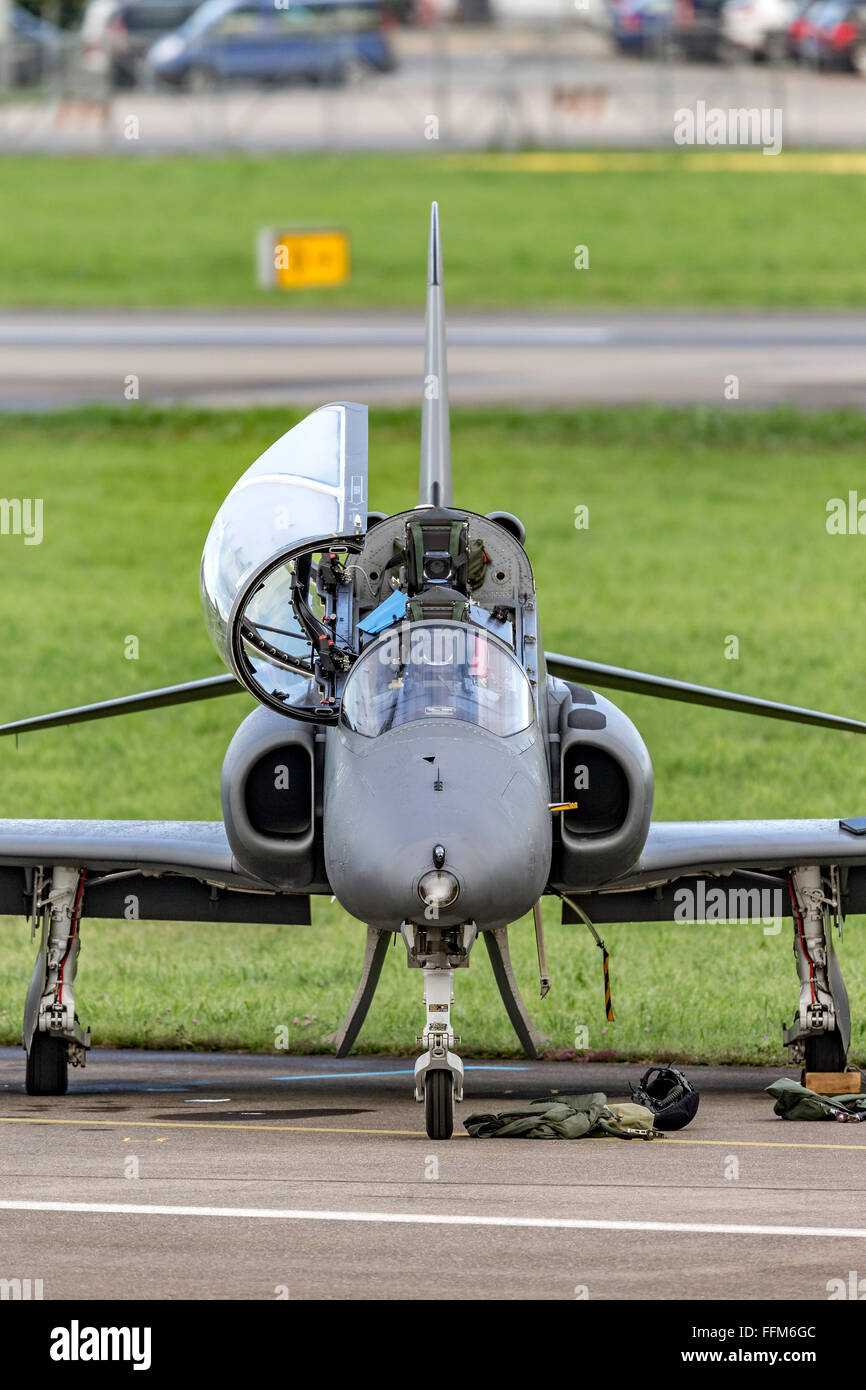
[438, 1071]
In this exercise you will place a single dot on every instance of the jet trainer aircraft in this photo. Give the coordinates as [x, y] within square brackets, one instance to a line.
[416, 753]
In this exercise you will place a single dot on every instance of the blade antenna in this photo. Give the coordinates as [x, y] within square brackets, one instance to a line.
[435, 482]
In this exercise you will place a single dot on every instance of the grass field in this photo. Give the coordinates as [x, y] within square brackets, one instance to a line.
[172, 231]
[702, 525]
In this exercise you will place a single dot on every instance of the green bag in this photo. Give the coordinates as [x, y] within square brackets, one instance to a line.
[628, 1115]
[564, 1117]
[796, 1102]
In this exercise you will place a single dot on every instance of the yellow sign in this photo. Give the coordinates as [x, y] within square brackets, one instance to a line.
[303, 259]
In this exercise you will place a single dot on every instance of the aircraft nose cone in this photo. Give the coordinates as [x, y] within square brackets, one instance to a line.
[450, 826]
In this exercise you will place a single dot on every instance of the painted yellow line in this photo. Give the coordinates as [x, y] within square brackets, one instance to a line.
[205, 1124]
[411, 1133]
[764, 1144]
[740, 1143]
[659, 161]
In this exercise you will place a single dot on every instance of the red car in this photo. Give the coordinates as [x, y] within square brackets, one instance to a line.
[831, 34]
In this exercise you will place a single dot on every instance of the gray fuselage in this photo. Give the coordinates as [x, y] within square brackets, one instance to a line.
[390, 800]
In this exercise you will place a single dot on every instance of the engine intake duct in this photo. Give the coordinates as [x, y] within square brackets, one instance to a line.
[268, 789]
[606, 769]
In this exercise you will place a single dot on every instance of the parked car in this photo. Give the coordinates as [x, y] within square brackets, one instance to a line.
[697, 28]
[797, 27]
[259, 41]
[758, 28]
[809, 46]
[834, 36]
[559, 13]
[856, 50]
[116, 35]
[37, 47]
[690, 27]
[640, 26]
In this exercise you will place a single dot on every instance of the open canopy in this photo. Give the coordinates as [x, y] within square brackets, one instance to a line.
[306, 492]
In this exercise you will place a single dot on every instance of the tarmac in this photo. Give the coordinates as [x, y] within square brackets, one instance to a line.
[56, 358]
[215, 1176]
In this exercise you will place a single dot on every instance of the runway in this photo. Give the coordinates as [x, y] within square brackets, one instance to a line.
[216, 1176]
[52, 359]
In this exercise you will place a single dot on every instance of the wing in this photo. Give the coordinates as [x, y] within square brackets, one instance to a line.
[189, 692]
[603, 677]
[154, 870]
[741, 856]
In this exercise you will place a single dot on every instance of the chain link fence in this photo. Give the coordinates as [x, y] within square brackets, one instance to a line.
[453, 87]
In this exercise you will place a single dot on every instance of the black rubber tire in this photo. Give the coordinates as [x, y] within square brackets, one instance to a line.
[47, 1066]
[121, 78]
[333, 77]
[439, 1104]
[824, 1052]
[202, 81]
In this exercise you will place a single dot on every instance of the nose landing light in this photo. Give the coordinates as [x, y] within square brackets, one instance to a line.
[438, 888]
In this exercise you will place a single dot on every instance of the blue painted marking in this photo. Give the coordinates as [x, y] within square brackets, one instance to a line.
[347, 1075]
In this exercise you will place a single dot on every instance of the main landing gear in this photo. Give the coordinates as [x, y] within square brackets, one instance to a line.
[821, 1032]
[53, 1036]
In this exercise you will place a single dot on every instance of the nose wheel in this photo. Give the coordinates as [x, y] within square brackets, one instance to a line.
[439, 1104]
[438, 1071]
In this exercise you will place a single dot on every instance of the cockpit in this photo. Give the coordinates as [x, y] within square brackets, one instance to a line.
[433, 671]
[311, 604]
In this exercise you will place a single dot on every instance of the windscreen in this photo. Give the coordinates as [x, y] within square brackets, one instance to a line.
[207, 14]
[437, 671]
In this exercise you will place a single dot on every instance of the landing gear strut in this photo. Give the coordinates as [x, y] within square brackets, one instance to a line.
[821, 1032]
[374, 958]
[438, 1071]
[53, 1036]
